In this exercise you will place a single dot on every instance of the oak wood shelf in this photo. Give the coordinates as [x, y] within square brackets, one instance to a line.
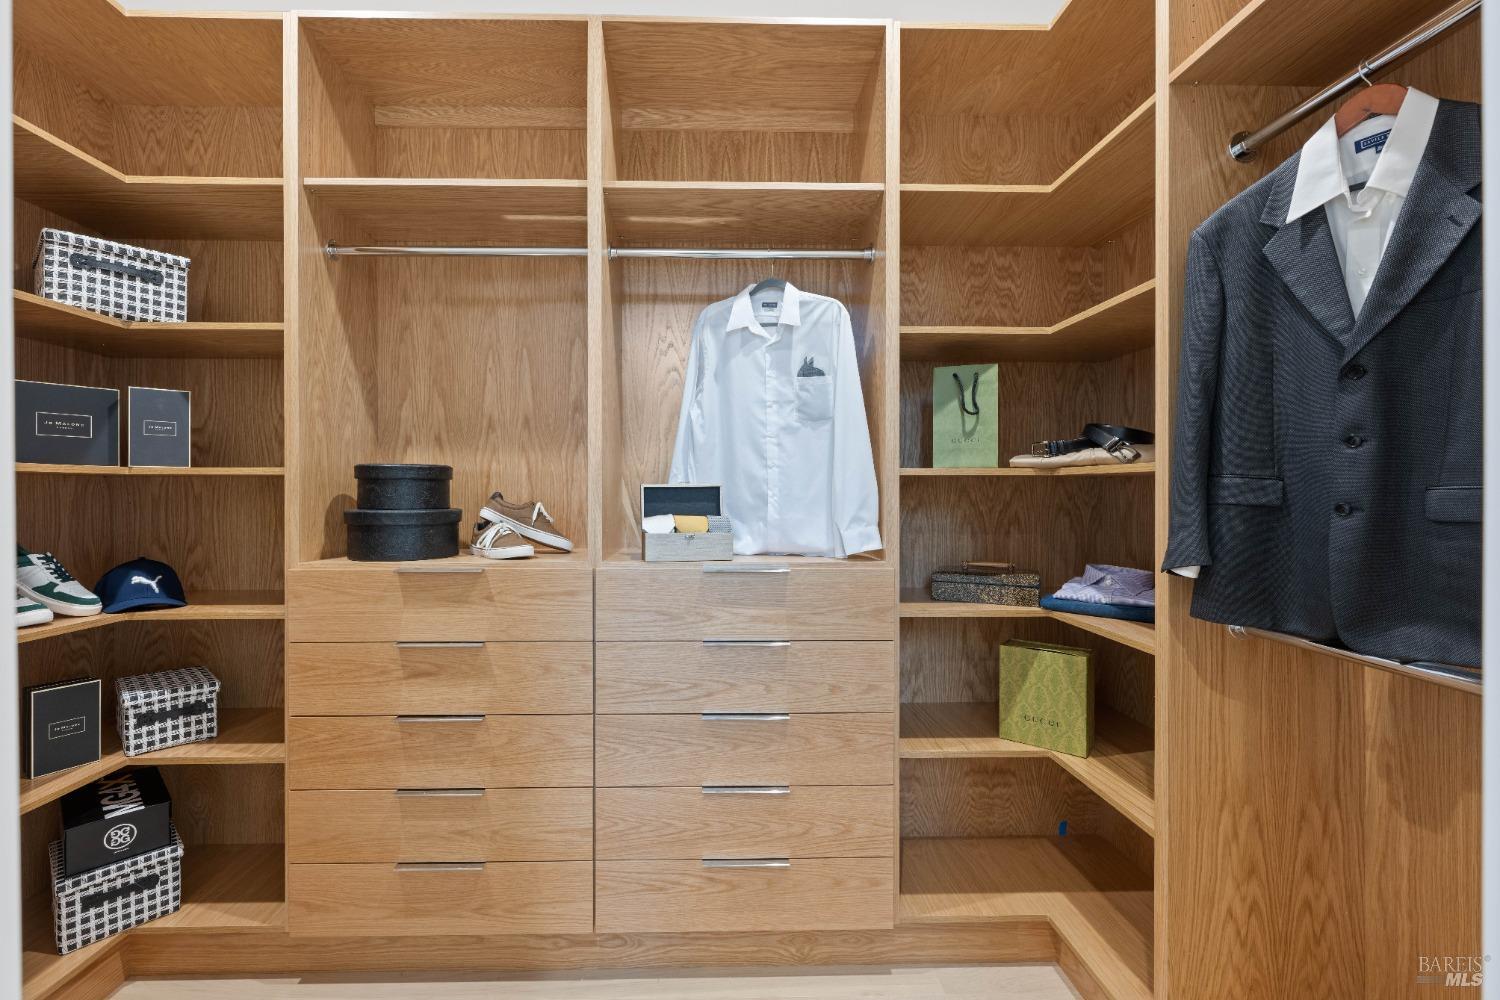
[733, 213]
[203, 606]
[246, 736]
[1119, 325]
[1110, 186]
[1118, 469]
[225, 887]
[64, 179]
[1097, 901]
[456, 211]
[1120, 769]
[917, 603]
[1137, 635]
[46, 469]
[43, 320]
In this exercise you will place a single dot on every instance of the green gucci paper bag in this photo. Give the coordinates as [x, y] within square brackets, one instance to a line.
[1047, 696]
[966, 417]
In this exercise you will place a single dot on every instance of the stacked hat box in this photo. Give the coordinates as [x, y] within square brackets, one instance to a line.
[402, 514]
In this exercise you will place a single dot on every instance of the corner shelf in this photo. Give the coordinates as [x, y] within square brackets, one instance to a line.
[781, 214]
[1120, 769]
[919, 604]
[39, 468]
[246, 736]
[204, 606]
[1099, 904]
[43, 320]
[457, 211]
[1110, 186]
[1118, 325]
[64, 179]
[1118, 469]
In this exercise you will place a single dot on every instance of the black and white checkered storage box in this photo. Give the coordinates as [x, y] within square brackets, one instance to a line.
[167, 709]
[115, 279]
[92, 905]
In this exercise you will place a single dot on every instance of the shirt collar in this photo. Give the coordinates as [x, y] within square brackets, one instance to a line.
[1320, 169]
[742, 313]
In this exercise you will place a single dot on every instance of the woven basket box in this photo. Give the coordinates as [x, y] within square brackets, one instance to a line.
[116, 279]
[167, 709]
[104, 901]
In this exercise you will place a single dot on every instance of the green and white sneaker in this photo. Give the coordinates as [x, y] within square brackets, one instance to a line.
[42, 578]
[29, 612]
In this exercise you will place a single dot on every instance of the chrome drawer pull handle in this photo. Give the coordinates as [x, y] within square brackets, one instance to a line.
[466, 793]
[417, 568]
[747, 789]
[745, 716]
[747, 862]
[439, 645]
[750, 643]
[746, 568]
[440, 866]
[439, 718]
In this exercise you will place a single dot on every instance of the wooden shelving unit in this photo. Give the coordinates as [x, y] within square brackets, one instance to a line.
[203, 606]
[919, 604]
[1116, 326]
[44, 321]
[246, 736]
[1099, 903]
[1119, 469]
[42, 469]
[783, 213]
[466, 211]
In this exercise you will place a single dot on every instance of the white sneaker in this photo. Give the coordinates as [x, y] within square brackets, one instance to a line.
[523, 518]
[29, 612]
[42, 578]
[499, 541]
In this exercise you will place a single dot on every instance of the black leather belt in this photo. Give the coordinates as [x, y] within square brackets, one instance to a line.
[1118, 441]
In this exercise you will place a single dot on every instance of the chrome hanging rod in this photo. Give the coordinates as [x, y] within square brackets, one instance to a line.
[697, 253]
[1243, 146]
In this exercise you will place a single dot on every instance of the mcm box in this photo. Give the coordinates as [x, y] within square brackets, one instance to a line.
[115, 818]
[1047, 696]
[62, 725]
[167, 709]
[161, 427]
[689, 499]
[105, 901]
[62, 424]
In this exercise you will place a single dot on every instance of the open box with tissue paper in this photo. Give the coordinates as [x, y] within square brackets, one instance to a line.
[669, 508]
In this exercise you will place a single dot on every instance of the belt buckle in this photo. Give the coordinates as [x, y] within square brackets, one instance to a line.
[1039, 449]
[1122, 450]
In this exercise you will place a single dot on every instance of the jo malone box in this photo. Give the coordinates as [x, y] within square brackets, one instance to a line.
[62, 726]
[161, 427]
[67, 424]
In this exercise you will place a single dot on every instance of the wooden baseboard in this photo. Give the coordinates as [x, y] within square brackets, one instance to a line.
[266, 954]
[95, 981]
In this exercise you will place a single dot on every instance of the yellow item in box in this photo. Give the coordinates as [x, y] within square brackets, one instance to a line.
[691, 524]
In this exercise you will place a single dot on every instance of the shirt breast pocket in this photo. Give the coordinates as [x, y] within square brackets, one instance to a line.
[814, 398]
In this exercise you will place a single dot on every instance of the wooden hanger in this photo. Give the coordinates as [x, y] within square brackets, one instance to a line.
[1377, 99]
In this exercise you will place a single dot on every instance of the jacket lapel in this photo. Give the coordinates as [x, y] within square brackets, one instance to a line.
[1303, 254]
[1436, 217]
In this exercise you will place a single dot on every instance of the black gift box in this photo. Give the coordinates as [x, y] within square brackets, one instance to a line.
[160, 427]
[115, 818]
[62, 726]
[67, 424]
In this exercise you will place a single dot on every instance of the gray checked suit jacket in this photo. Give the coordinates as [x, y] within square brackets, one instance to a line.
[1326, 471]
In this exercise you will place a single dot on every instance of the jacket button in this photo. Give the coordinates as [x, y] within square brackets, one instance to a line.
[1342, 509]
[1356, 371]
[1353, 441]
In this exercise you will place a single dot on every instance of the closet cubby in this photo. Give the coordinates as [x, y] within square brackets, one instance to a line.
[418, 97]
[742, 102]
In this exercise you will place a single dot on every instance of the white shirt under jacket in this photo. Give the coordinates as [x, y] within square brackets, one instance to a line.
[1382, 153]
[773, 412]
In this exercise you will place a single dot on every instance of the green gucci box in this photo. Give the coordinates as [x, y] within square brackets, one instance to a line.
[1047, 696]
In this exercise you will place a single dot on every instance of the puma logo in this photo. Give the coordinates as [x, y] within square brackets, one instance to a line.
[153, 584]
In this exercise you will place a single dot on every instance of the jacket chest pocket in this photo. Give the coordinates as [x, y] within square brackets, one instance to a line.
[814, 397]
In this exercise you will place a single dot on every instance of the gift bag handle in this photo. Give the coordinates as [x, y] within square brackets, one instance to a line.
[973, 392]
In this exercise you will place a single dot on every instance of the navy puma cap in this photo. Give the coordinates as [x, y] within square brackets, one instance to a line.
[140, 583]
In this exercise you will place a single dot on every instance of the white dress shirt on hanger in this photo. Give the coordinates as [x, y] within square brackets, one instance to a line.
[1381, 153]
[772, 410]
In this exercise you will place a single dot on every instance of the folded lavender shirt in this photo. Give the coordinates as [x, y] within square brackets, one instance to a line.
[1101, 584]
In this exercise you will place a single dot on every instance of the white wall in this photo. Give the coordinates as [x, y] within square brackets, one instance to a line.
[918, 11]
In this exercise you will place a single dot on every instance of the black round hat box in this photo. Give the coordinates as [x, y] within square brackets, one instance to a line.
[393, 486]
[402, 535]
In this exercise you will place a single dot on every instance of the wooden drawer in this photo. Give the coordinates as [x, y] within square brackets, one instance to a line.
[389, 678]
[471, 824]
[656, 824]
[682, 896]
[381, 901]
[496, 751]
[741, 600]
[633, 750]
[757, 675]
[440, 600]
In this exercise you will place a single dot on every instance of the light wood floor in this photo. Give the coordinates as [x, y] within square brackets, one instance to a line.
[985, 982]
